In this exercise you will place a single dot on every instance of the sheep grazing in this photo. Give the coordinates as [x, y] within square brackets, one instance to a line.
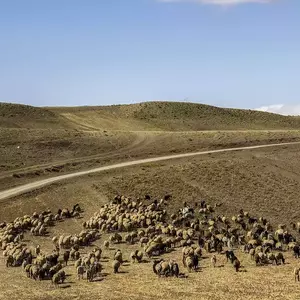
[279, 258]
[174, 268]
[161, 267]
[116, 238]
[191, 262]
[59, 277]
[118, 256]
[144, 222]
[136, 256]
[164, 268]
[236, 264]
[230, 256]
[116, 265]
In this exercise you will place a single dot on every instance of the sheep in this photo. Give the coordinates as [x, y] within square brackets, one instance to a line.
[115, 238]
[191, 262]
[236, 265]
[78, 262]
[132, 256]
[75, 255]
[118, 256]
[230, 256]
[136, 256]
[296, 250]
[279, 258]
[139, 256]
[9, 261]
[27, 269]
[174, 268]
[116, 265]
[161, 267]
[58, 277]
[272, 258]
[34, 272]
[98, 253]
[90, 273]
[252, 253]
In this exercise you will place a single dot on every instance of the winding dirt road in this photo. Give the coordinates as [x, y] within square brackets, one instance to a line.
[41, 183]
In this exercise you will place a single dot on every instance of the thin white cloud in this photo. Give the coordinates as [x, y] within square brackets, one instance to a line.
[220, 2]
[282, 109]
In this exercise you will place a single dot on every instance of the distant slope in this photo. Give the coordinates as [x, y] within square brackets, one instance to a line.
[164, 116]
[25, 116]
[174, 116]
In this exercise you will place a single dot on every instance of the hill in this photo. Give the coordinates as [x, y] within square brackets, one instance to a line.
[25, 116]
[147, 116]
[174, 116]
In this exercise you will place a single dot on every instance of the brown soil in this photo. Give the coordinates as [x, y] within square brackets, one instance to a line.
[33, 154]
[264, 182]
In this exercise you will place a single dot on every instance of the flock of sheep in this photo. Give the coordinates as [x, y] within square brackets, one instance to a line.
[153, 232]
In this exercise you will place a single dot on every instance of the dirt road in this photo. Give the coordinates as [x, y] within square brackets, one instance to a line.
[41, 183]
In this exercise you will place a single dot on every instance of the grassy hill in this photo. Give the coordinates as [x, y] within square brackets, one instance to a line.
[25, 116]
[165, 116]
[175, 116]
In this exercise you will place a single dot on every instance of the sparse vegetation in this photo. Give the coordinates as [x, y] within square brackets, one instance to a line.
[263, 182]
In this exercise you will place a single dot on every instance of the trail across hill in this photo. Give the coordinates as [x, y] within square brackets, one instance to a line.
[41, 183]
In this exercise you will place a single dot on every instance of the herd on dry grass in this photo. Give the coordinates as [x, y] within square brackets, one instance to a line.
[147, 225]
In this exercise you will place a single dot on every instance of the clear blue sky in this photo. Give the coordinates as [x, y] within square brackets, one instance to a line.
[94, 52]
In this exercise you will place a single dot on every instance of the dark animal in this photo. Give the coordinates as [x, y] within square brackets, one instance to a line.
[236, 264]
[296, 250]
[230, 256]
[66, 257]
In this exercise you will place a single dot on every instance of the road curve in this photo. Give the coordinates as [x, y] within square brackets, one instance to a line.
[41, 183]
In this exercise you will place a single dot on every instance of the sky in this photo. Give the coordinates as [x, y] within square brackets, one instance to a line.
[228, 53]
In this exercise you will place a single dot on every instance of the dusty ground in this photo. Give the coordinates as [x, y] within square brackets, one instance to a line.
[31, 154]
[37, 142]
[264, 182]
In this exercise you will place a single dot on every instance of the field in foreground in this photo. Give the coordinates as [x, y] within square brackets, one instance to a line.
[264, 182]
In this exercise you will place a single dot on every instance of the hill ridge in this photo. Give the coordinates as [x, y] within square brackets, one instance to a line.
[154, 115]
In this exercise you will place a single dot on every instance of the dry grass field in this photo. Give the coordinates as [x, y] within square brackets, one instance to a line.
[264, 182]
[32, 154]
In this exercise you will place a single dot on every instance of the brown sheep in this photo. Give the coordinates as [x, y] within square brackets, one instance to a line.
[236, 264]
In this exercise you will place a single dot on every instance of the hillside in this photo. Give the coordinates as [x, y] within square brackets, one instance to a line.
[25, 116]
[148, 116]
[174, 116]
